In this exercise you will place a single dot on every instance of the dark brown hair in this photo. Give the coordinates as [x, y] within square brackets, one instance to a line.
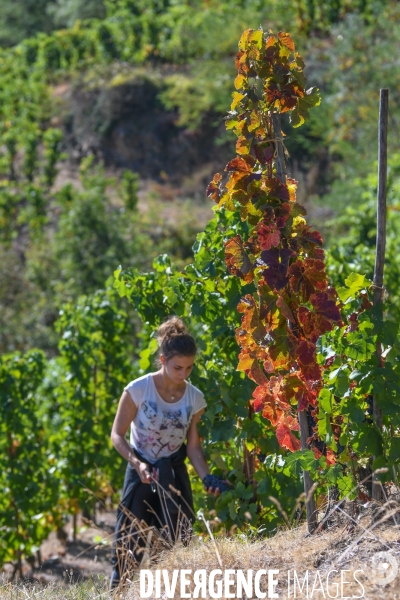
[174, 339]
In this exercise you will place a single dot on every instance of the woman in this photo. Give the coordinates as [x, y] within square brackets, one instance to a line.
[163, 410]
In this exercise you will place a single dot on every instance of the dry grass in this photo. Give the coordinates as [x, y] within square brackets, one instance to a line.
[349, 544]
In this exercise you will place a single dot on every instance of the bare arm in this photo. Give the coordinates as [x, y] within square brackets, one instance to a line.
[126, 412]
[194, 449]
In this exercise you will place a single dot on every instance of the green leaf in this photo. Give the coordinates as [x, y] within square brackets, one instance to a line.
[357, 347]
[350, 407]
[367, 440]
[233, 511]
[311, 99]
[347, 486]
[325, 399]
[218, 460]
[394, 452]
[354, 283]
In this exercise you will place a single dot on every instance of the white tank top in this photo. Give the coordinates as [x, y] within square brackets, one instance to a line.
[160, 428]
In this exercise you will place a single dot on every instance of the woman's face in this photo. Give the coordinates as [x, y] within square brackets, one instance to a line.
[178, 368]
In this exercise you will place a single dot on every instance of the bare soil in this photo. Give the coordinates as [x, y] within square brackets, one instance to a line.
[68, 561]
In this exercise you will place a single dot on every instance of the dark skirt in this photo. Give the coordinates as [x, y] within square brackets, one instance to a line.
[157, 505]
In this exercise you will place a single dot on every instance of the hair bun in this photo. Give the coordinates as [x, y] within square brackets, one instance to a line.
[174, 339]
[173, 326]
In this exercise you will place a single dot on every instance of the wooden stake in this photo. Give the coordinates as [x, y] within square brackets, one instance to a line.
[311, 509]
[380, 242]
[280, 158]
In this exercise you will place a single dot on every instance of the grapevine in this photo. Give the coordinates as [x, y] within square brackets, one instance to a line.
[28, 469]
[293, 304]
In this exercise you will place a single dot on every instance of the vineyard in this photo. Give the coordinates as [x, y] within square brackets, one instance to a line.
[298, 341]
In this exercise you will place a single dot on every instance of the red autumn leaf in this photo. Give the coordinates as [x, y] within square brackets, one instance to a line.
[268, 365]
[272, 93]
[248, 362]
[271, 52]
[238, 57]
[311, 372]
[257, 374]
[265, 402]
[291, 185]
[237, 260]
[365, 304]
[269, 400]
[241, 62]
[317, 453]
[271, 41]
[313, 236]
[286, 438]
[325, 306]
[329, 361]
[251, 321]
[276, 189]
[306, 353]
[307, 276]
[264, 152]
[267, 299]
[282, 213]
[309, 240]
[243, 165]
[286, 40]
[294, 89]
[258, 401]
[290, 421]
[302, 403]
[245, 361]
[277, 263]
[275, 385]
[272, 413]
[246, 341]
[238, 181]
[214, 189]
[353, 323]
[308, 393]
[288, 99]
[313, 324]
[317, 253]
[293, 386]
[285, 310]
[243, 145]
[330, 457]
[280, 358]
[307, 321]
[283, 351]
[268, 236]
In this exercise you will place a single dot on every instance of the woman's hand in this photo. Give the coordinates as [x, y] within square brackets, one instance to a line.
[213, 491]
[143, 471]
[215, 485]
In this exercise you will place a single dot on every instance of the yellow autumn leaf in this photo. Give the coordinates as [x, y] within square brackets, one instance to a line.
[240, 81]
[254, 121]
[243, 145]
[243, 39]
[255, 37]
[237, 98]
